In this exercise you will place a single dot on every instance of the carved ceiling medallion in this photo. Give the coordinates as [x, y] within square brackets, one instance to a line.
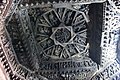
[61, 33]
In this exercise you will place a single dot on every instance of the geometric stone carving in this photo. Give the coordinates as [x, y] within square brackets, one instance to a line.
[53, 41]
[110, 33]
[49, 41]
[59, 35]
[64, 33]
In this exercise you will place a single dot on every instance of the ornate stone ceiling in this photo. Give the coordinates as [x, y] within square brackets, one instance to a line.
[64, 40]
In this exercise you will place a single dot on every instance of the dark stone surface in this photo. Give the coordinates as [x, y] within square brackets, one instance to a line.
[95, 31]
[118, 49]
[1, 1]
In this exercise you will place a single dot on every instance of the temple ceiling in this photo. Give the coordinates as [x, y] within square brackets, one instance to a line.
[64, 40]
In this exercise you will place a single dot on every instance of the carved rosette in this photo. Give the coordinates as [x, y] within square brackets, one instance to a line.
[61, 33]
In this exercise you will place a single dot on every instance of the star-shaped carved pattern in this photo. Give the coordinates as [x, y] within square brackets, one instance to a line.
[62, 35]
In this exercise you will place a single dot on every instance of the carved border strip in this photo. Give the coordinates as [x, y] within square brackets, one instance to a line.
[7, 55]
[110, 34]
